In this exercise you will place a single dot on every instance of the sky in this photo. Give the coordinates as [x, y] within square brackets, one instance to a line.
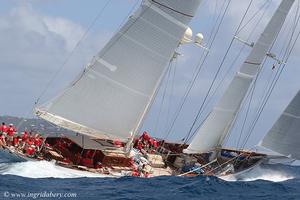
[38, 36]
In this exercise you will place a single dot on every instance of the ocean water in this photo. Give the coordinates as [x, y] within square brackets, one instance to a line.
[44, 180]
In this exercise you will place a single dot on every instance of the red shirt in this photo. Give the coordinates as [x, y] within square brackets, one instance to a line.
[24, 136]
[30, 151]
[3, 128]
[11, 131]
[16, 141]
[29, 142]
[135, 173]
[37, 142]
[145, 136]
[140, 146]
[151, 141]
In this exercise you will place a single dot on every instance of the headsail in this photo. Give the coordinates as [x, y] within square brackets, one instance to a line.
[112, 95]
[213, 131]
[284, 136]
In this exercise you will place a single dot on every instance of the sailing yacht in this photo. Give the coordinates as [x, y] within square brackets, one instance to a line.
[110, 99]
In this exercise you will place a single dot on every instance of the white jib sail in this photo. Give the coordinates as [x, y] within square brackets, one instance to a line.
[112, 95]
[214, 129]
[284, 136]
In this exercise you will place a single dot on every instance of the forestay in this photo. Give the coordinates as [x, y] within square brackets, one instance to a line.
[114, 92]
[214, 129]
[284, 136]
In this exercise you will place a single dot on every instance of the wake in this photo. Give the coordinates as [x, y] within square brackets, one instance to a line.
[42, 169]
[261, 173]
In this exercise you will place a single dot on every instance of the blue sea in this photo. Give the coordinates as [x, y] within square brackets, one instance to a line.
[44, 180]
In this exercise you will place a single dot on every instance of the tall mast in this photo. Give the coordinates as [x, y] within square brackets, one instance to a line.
[214, 129]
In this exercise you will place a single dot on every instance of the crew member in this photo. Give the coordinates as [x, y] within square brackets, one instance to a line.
[16, 142]
[145, 136]
[3, 128]
[37, 142]
[24, 136]
[3, 133]
[10, 133]
[30, 151]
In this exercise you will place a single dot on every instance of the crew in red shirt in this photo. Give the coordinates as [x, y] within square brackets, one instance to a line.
[140, 146]
[11, 130]
[24, 136]
[10, 133]
[37, 142]
[16, 141]
[3, 128]
[145, 136]
[29, 142]
[3, 133]
[30, 150]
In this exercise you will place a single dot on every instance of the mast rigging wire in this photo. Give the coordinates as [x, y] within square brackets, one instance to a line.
[235, 60]
[190, 134]
[163, 96]
[197, 69]
[288, 51]
[251, 93]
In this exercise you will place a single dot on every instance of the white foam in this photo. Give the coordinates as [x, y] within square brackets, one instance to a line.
[260, 173]
[43, 169]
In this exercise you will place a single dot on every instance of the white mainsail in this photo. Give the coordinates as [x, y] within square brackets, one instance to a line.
[114, 92]
[214, 129]
[284, 136]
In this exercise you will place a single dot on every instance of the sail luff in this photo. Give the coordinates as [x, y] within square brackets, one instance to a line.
[284, 136]
[114, 93]
[212, 133]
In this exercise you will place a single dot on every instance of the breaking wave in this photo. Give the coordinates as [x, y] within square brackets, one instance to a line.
[261, 173]
[42, 169]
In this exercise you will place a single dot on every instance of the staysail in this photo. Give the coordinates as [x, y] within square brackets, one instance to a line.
[114, 92]
[284, 136]
[214, 129]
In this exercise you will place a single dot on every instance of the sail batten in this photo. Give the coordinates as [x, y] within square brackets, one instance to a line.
[215, 127]
[284, 136]
[112, 95]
